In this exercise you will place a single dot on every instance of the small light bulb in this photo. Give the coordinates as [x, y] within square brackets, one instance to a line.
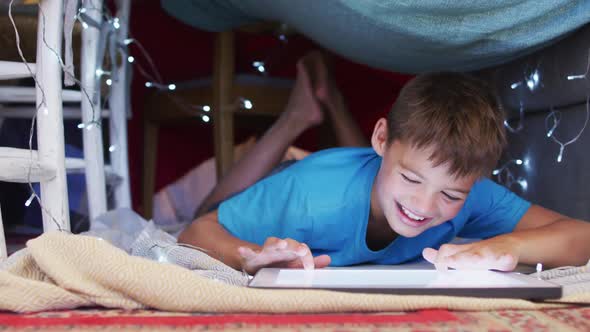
[172, 87]
[515, 85]
[160, 255]
[530, 84]
[116, 23]
[559, 157]
[148, 84]
[81, 126]
[205, 118]
[496, 172]
[536, 77]
[82, 10]
[518, 162]
[99, 72]
[90, 126]
[523, 184]
[112, 148]
[206, 108]
[575, 77]
[30, 200]
[109, 82]
[259, 65]
[85, 25]
[128, 41]
[130, 59]
[247, 104]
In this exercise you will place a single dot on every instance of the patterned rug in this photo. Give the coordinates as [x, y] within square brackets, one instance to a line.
[569, 319]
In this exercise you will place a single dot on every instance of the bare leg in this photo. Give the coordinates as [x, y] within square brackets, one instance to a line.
[302, 112]
[345, 127]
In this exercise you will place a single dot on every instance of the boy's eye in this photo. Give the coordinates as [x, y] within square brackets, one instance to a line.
[408, 179]
[452, 198]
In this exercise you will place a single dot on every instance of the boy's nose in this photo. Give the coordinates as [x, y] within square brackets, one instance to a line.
[423, 205]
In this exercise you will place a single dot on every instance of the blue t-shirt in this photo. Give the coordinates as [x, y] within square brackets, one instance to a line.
[324, 201]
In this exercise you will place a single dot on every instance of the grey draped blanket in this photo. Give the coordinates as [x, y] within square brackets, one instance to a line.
[401, 35]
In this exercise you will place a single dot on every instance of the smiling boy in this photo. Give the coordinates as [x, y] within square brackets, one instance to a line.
[421, 184]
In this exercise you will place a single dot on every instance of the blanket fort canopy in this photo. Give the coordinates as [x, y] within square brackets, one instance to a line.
[404, 36]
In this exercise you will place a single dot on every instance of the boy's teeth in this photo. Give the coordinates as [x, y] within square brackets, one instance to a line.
[411, 215]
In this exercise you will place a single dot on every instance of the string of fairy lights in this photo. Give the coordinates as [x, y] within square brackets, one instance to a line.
[532, 81]
[262, 65]
[154, 80]
[108, 27]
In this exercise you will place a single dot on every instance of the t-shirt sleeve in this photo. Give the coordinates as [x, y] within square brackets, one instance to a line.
[274, 206]
[494, 210]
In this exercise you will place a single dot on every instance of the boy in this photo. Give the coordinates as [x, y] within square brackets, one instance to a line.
[420, 185]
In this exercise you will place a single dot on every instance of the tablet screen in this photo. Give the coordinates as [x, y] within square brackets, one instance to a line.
[410, 281]
[396, 278]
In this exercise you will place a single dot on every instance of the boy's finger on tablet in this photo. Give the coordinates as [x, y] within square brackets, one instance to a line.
[430, 254]
[478, 261]
[322, 261]
[307, 261]
[246, 252]
[448, 249]
[469, 260]
[507, 262]
[304, 254]
[274, 243]
[434, 256]
[293, 245]
[441, 267]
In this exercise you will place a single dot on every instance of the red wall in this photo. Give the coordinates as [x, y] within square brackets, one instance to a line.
[183, 53]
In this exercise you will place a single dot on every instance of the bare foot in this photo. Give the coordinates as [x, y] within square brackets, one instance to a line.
[324, 87]
[332, 101]
[303, 108]
[295, 153]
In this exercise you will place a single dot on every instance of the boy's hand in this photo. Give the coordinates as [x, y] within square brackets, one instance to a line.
[498, 253]
[281, 253]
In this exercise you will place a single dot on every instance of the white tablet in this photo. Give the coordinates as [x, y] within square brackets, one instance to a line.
[412, 281]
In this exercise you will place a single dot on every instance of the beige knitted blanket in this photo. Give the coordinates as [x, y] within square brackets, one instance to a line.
[64, 271]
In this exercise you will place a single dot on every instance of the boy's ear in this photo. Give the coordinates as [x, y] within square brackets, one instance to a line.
[379, 138]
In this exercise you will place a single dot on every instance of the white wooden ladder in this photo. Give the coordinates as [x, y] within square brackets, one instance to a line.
[47, 164]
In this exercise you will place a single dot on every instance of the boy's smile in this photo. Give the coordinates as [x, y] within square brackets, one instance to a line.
[411, 219]
[409, 193]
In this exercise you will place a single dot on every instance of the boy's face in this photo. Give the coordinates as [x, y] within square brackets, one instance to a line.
[409, 193]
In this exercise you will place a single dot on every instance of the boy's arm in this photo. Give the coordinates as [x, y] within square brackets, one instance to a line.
[545, 236]
[207, 233]
[541, 236]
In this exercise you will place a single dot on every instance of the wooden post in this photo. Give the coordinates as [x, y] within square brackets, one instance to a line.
[50, 134]
[223, 76]
[92, 138]
[118, 118]
[150, 152]
[3, 250]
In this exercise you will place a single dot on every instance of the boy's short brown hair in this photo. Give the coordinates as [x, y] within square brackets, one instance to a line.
[456, 115]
